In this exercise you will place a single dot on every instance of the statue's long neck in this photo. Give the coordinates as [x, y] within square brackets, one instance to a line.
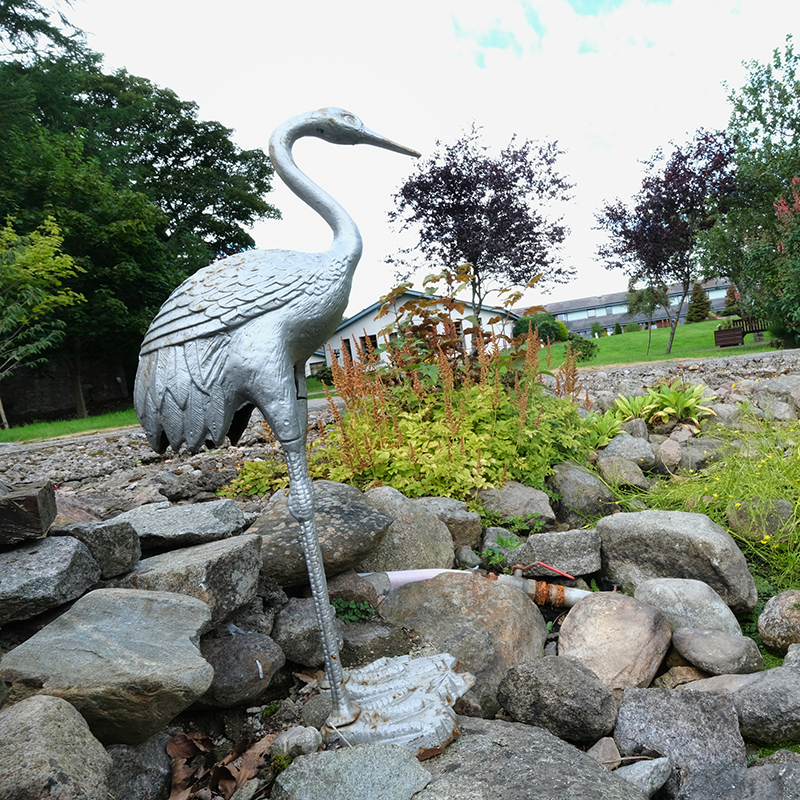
[346, 238]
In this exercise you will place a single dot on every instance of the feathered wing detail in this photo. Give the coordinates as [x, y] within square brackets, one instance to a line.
[231, 292]
[180, 393]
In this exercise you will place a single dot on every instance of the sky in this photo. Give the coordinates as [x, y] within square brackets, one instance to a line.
[610, 80]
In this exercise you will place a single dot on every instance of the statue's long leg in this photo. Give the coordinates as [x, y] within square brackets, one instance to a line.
[301, 507]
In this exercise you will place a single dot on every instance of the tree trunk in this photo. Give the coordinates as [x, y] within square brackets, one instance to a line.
[74, 366]
[672, 328]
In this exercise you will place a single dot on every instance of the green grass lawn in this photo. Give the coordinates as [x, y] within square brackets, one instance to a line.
[691, 341]
[69, 427]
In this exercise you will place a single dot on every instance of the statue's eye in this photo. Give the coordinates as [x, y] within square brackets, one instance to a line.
[350, 118]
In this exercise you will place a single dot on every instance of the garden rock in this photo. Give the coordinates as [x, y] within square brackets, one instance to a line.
[779, 622]
[561, 695]
[141, 770]
[718, 653]
[352, 587]
[505, 554]
[365, 642]
[486, 625]
[771, 782]
[668, 457]
[162, 526]
[47, 751]
[297, 741]
[297, 633]
[631, 448]
[350, 528]
[576, 552]
[636, 428]
[582, 494]
[415, 539]
[493, 759]
[223, 574]
[792, 659]
[768, 703]
[114, 545]
[514, 499]
[698, 454]
[26, 514]
[641, 545]
[605, 751]
[44, 574]
[649, 775]
[621, 472]
[756, 519]
[127, 660]
[695, 731]
[688, 603]
[365, 771]
[188, 484]
[244, 664]
[620, 639]
[464, 525]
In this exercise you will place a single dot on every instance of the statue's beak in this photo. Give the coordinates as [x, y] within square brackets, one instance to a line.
[370, 137]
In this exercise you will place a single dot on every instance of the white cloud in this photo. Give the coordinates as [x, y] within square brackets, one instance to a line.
[611, 86]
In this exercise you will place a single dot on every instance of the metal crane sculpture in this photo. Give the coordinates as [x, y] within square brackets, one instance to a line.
[237, 334]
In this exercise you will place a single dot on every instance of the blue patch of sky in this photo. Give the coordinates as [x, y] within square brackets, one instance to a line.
[496, 38]
[586, 48]
[591, 8]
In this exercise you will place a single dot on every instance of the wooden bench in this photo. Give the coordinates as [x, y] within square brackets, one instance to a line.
[741, 327]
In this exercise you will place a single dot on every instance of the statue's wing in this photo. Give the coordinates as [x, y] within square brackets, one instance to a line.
[230, 292]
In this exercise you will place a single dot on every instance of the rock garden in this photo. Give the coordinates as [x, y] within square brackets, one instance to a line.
[158, 637]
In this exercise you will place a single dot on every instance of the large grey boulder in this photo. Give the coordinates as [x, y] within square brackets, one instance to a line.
[486, 625]
[576, 552]
[718, 653]
[223, 574]
[582, 495]
[127, 660]
[514, 499]
[767, 703]
[620, 639]
[464, 525]
[297, 633]
[688, 603]
[695, 734]
[767, 782]
[757, 518]
[26, 514]
[47, 751]
[141, 771]
[649, 775]
[561, 695]
[779, 622]
[493, 759]
[631, 448]
[244, 664]
[415, 539]
[162, 526]
[114, 545]
[642, 545]
[349, 527]
[42, 575]
[620, 471]
[365, 771]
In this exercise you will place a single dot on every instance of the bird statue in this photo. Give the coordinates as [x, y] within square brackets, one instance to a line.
[236, 335]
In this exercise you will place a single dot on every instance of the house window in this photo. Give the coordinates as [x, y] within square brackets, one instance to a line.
[373, 343]
[592, 312]
[347, 349]
[609, 309]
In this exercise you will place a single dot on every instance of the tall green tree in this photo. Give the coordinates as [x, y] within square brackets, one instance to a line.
[145, 137]
[765, 126]
[655, 239]
[699, 305]
[28, 29]
[32, 273]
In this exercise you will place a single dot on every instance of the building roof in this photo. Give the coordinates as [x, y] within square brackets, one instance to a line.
[511, 313]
